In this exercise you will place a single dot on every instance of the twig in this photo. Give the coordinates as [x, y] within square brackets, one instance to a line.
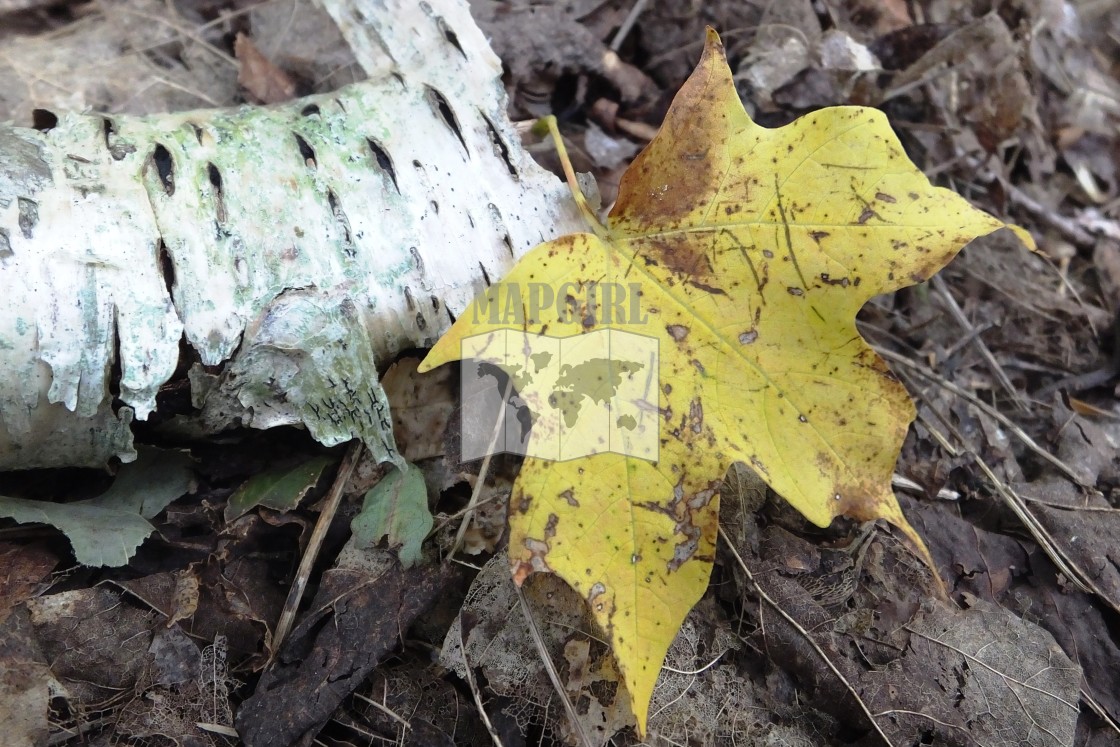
[1071, 570]
[1063, 225]
[181, 28]
[1075, 575]
[326, 515]
[988, 409]
[1098, 709]
[385, 709]
[905, 483]
[474, 689]
[956, 312]
[476, 491]
[808, 637]
[445, 520]
[550, 668]
[624, 29]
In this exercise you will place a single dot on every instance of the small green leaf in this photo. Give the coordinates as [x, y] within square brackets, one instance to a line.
[149, 484]
[396, 507]
[280, 488]
[106, 530]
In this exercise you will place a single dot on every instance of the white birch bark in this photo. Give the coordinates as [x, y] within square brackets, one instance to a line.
[280, 252]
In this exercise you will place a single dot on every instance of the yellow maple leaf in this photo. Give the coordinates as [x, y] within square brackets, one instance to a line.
[747, 253]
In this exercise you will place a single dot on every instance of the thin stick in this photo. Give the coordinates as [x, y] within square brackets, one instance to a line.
[993, 412]
[1099, 710]
[326, 516]
[476, 491]
[958, 314]
[1069, 228]
[1065, 565]
[385, 709]
[905, 483]
[601, 231]
[808, 637]
[1070, 569]
[474, 689]
[550, 668]
[628, 24]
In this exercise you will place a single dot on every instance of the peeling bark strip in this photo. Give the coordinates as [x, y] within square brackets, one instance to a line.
[283, 244]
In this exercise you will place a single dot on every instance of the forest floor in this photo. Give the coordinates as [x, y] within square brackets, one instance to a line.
[1010, 472]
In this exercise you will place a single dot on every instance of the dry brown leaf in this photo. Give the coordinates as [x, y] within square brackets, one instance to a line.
[265, 83]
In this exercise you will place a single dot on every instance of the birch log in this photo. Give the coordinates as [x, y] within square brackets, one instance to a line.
[277, 254]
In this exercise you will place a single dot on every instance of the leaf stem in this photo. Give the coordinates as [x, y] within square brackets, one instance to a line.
[570, 175]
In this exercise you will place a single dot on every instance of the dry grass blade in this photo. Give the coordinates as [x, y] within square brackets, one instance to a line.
[808, 637]
[975, 339]
[326, 515]
[1071, 570]
[628, 24]
[484, 470]
[986, 408]
[385, 709]
[905, 483]
[1100, 710]
[550, 668]
[225, 731]
[475, 693]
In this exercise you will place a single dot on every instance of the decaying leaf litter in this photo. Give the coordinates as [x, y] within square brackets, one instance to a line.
[1039, 323]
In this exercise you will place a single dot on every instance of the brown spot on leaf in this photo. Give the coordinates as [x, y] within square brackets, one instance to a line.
[683, 508]
[679, 253]
[696, 415]
[534, 563]
[677, 331]
[708, 288]
[570, 498]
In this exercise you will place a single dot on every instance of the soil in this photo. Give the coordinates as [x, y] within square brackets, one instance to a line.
[805, 636]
